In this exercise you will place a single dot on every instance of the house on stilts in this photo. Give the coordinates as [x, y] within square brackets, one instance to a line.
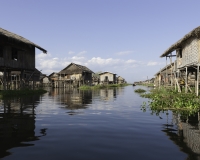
[165, 76]
[187, 56]
[74, 75]
[17, 57]
[108, 78]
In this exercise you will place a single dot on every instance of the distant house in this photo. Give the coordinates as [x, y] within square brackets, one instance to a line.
[95, 79]
[108, 78]
[53, 78]
[16, 54]
[165, 76]
[74, 74]
[45, 81]
[120, 80]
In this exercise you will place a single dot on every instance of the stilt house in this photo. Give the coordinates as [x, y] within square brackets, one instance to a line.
[16, 54]
[188, 57]
[74, 75]
[120, 80]
[108, 78]
[165, 76]
[95, 79]
[53, 77]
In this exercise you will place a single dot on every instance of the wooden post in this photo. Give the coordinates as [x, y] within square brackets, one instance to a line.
[171, 67]
[21, 79]
[33, 81]
[4, 79]
[186, 78]
[197, 90]
[166, 73]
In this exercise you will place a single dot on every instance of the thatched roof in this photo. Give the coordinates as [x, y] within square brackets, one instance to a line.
[194, 33]
[106, 72]
[18, 38]
[80, 68]
[54, 74]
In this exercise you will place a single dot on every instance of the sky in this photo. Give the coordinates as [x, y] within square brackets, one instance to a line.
[125, 37]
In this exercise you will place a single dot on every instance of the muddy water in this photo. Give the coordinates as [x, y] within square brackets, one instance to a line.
[93, 125]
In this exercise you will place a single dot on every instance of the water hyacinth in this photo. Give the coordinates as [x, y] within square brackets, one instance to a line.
[140, 90]
[168, 99]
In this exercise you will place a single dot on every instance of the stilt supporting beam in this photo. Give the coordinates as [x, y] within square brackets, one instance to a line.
[186, 77]
[197, 90]
[166, 73]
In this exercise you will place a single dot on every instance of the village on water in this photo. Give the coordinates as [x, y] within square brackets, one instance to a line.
[17, 66]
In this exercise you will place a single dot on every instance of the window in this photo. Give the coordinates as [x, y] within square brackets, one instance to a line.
[1, 51]
[14, 54]
[180, 52]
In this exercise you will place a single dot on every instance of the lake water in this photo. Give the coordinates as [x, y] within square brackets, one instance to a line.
[106, 124]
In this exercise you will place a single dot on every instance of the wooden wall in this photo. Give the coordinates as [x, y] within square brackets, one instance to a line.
[25, 55]
[111, 77]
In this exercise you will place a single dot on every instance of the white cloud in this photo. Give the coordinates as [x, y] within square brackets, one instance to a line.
[124, 52]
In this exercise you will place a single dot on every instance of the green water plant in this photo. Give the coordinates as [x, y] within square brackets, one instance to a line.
[168, 99]
[22, 92]
[140, 90]
[86, 87]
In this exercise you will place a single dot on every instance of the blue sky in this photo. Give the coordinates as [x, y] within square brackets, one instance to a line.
[121, 36]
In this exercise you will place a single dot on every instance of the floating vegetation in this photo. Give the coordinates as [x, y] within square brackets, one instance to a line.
[86, 87]
[140, 90]
[169, 99]
[22, 92]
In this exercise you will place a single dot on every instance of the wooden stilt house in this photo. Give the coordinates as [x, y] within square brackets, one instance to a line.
[188, 58]
[16, 54]
[120, 80]
[74, 75]
[108, 78]
[165, 77]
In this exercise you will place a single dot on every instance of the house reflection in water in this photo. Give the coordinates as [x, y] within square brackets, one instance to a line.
[17, 123]
[72, 99]
[187, 137]
[108, 94]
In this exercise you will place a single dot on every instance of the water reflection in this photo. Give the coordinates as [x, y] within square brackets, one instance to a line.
[17, 123]
[72, 99]
[184, 131]
[75, 99]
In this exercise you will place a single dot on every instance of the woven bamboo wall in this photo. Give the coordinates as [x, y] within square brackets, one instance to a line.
[190, 53]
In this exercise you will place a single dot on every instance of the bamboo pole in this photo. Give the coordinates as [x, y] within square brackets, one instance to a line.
[171, 67]
[166, 73]
[179, 89]
[4, 79]
[186, 80]
[197, 90]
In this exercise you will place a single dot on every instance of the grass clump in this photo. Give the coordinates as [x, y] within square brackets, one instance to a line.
[86, 87]
[140, 90]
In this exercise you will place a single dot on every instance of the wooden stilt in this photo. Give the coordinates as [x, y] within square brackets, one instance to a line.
[197, 90]
[4, 79]
[166, 73]
[186, 78]
[171, 67]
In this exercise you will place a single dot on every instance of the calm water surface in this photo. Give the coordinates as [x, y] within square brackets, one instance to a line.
[105, 124]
